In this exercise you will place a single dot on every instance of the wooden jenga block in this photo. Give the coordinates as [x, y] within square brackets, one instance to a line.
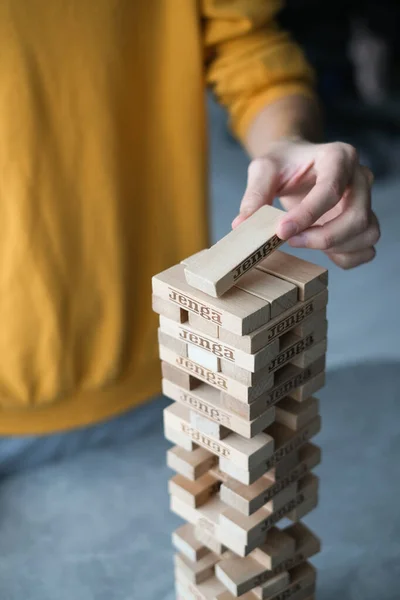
[193, 464]
[217, 380]
[171, 311]
[310, 354]
[280, 294]
[171, 343]
[275, 328]
[185, 541]
[311, 324]
[237, 311]
[177, 437]
[308, 486]
[244, 376]
[296, 415]
[248, 499]
[284, 466]
[207, 538]
[203, 358]
[195, 493]
[207, 590]
[207, 401]
[309, 278]
[276, 585]
[178, 377]
[289, 381]
[296, 350]
[302, 582]
[198, 571]
[248, 529]
[203, 326]
[245, 453]
[207, 426]
[221, 266]
[251, 362]
[286, 441]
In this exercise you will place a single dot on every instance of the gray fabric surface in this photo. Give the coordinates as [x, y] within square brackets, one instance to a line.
[98, 525]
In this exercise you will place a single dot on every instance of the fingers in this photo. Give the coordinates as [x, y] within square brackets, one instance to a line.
[349, 260]
[352, 222]
[261, 187]
[334, 168]
[363, 240]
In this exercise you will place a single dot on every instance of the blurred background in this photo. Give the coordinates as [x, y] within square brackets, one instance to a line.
[98, 526]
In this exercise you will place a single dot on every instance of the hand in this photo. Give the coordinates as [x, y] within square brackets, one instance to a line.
[327, 194]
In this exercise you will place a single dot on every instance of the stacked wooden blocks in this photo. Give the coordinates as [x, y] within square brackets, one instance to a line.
[242, 342]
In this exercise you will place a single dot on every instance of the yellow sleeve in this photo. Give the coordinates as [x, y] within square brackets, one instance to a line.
[250, 62]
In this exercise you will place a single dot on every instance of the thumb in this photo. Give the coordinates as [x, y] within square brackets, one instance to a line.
[262, 184]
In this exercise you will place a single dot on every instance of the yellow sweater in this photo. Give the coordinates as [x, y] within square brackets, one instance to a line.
[103, 183]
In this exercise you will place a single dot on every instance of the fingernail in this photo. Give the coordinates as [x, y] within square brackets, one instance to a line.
[298, 241]
[288, 229]
[236, 220]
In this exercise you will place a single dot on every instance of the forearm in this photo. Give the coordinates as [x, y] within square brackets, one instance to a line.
[293, 116]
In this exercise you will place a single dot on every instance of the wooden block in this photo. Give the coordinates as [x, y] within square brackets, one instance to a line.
[289, 381]
[275, 328]
[171, 311]
[217, 270]
[249, 499]
[296, 350]
[186, 543]
[280, 294]
[245, 453]
[284, 466]
[307, 545]
[210, 428]
[247, 530]
[245, 376]
[237, 311]
[309, 278]
[302, 580]
[171, 343]
[286, 442]
[195, 493]
[207, 590]
[203, 326]
[177, 437]
[207, 401]
[178, 377]
[198, 571]
[296, 415]
[204, 358]
[191, 465]
[217, 380]
[206, 537]
[313, 323]
[310, 354]
[251, 362]
[274, 586]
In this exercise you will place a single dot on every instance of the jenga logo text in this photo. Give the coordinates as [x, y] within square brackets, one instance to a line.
[291, 352]
[291, 384]
[291, 321]
[207, 313]
[202, 373]
[205, 408]
[262, 252]
[293, 476]
[214, 347]
[205, 441]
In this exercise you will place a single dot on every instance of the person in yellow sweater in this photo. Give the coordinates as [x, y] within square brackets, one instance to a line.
[103, 184]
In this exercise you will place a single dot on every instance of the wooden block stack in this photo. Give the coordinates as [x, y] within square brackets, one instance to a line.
[242, 342]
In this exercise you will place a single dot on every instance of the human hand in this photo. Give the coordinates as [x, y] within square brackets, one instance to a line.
[327, 194]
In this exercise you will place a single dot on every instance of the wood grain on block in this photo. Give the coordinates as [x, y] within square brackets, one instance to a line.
[302, 578]
[309, 278]
[247, 530]
[178, 377]
[224, 264]
[198, 571]
[195, 493]
[204, 358]
[251, 362]
[217, 380]
[207, 401]
[295, 414]
[237, 311]
[248, 499]
[193, 464]
[171, 343]
[177, 437]
[275, 328]
[185, 541]
[280, 294]
[245, 453]
[286, 442]
[289, 381]
[203, 326]
[171, 311]
[205, 425]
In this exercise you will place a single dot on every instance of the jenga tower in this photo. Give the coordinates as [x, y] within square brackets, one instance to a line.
[242, 343]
